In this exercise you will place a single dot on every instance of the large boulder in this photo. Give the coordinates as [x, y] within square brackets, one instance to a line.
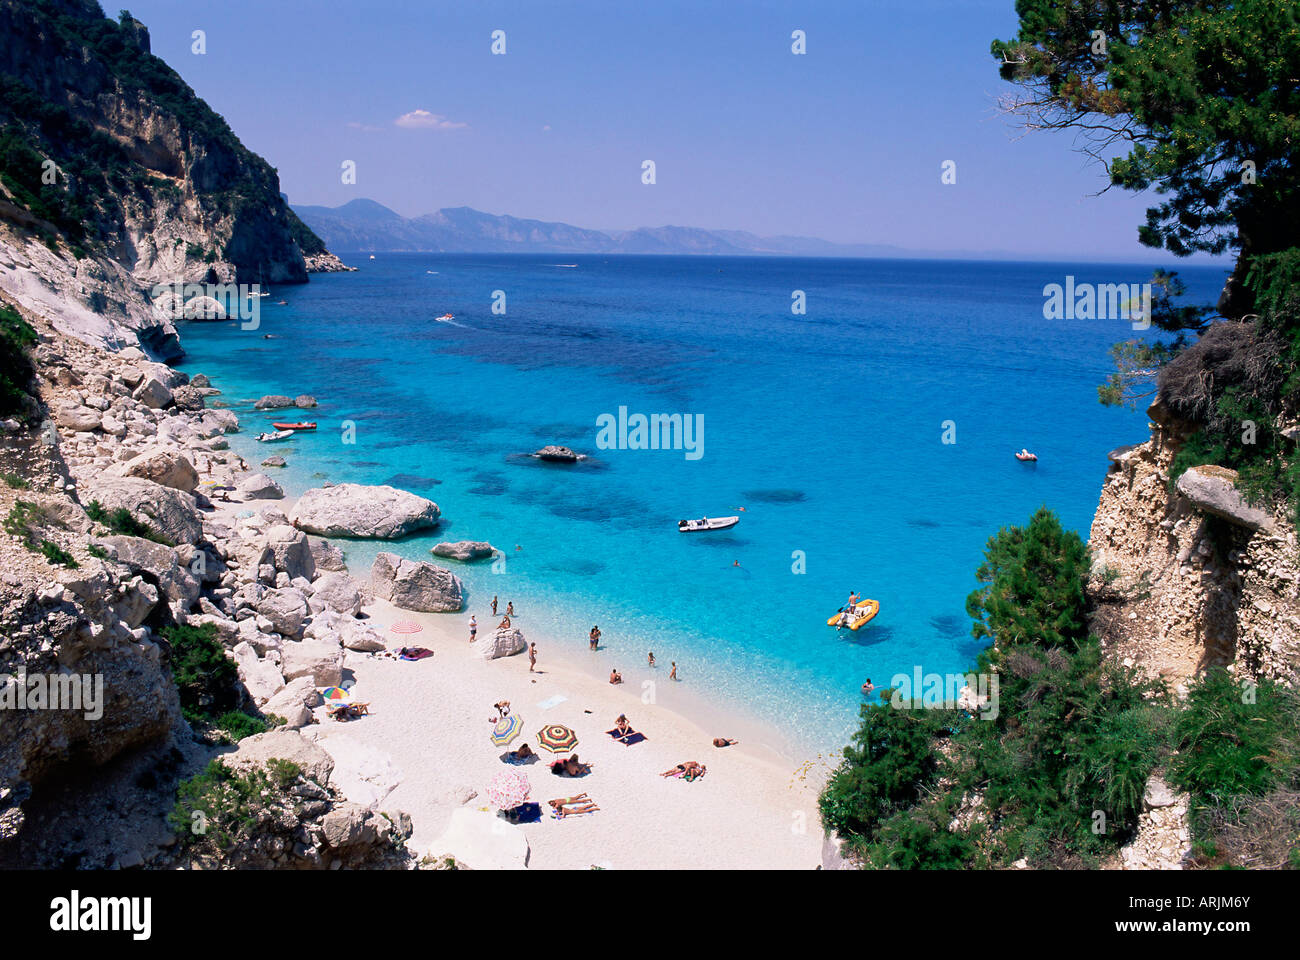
[415, 585]
[288, 551]
[157, 563]
[336, 591]
[315, 763]
[294, 702]
[163, 466]
[274, 402]
[500, 643]
[261, 487]
[1212, 489]
[77, 417]
[153, 393]
[353, 510]
[286, 609]
[260, 677]
[322, 660]
[327, 557]
[167, 511]
[188, 399]
[464, 550]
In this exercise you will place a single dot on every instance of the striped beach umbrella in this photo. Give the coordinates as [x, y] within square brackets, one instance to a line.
[335, 693]
[506, 730]
[406, 626]
[508, 789]
[557, 738]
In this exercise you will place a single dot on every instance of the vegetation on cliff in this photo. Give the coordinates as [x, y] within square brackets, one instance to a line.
[1055, 773]
[16, 370]
[1196, 100]
[78, 175]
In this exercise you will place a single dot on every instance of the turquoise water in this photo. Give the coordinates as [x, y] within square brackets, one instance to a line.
[827, 428]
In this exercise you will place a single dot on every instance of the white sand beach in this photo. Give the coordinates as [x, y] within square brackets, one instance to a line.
[427, 736]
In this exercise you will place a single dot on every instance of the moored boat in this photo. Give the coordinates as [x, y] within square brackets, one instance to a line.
[278, 435]
[295, 426]
[707, 523]
[859, 616]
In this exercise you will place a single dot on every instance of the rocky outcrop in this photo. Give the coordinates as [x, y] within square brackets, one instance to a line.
[558, 454]
[415, 585]
[162, 466]
[260, 487]
[169, 512]
[326, 263]
[464, 550]
[187, 203]
[1191, 577]
[353, 510]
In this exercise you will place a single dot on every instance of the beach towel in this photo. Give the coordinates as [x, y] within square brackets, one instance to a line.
[628, 739]
[554, 701]
[415, 653]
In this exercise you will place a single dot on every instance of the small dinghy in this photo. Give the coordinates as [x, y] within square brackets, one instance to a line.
[707, 523]
[271, 437]
[859, 616]
[294, 426]
[445, 318]
[1024, 456]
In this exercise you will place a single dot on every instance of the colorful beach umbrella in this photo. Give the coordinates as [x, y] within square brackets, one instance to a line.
[557, 738]
[506, 729]
[406, 626]
[508, 789]
[335, 693]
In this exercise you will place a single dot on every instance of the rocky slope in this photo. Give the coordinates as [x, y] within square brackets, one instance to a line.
[133, 434]
[150, 186]
[1191, 577]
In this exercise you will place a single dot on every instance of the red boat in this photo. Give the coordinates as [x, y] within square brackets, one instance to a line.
[294, 426]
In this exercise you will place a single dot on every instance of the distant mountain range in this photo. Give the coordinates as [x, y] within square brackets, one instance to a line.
[364, 225]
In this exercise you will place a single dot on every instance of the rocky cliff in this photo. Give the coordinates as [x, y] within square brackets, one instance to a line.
[115, 177]
[1191, 576]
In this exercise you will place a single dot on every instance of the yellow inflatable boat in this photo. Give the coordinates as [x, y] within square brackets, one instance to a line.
[861, 614]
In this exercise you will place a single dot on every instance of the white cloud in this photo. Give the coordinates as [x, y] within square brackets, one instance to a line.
[424, 120]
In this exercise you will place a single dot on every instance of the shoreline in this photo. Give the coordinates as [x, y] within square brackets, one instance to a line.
[383, 761]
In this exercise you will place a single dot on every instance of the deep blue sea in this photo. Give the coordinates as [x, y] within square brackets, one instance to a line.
[827, 428]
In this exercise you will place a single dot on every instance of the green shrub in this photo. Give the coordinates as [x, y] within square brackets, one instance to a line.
[96, 551]
[14, 481]
[1229, 746]
[205, 677]
[57, 555]
[1034, 580]
[236, 725]
[123, 521]
[16, 370]
[219, 808]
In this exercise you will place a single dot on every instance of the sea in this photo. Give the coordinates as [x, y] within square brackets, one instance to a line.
[859, 416]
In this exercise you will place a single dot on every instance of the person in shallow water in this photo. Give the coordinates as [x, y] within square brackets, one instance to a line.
[868, 687]
[510, 609]
[594, 637]
[650, 657]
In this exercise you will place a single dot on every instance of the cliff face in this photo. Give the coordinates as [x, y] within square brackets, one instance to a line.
[152, 186]
[1193, 577]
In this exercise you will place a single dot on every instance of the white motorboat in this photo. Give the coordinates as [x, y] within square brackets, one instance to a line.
[707, 523]
[275, 435]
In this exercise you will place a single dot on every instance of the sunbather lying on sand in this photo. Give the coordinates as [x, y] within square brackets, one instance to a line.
[567, 806]
[690, 770]
[724, 742]
[572, 767]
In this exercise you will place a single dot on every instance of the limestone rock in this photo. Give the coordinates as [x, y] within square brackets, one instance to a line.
[1212, 489]
[500, 643]
[261, 487]
[414, 585]
[465, 550]
[168, 511]
[353, 510]
[321, 660]
[163, 466]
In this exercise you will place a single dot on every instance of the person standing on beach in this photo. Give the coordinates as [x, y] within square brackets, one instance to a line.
[594, 637]
[473, 627]
[651, 657]
[510, 609]
[494, 606]
[532, 656]
[673, 674]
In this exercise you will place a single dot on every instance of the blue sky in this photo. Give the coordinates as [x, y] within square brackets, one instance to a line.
[844, 143]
